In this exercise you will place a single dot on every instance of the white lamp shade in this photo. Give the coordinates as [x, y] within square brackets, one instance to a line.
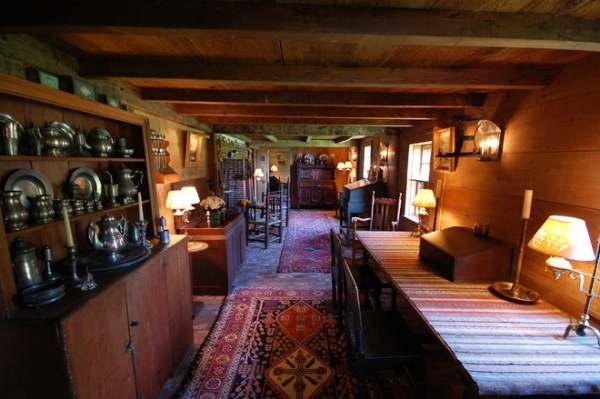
[274, 168]
[340, 166]
[258, 173]
[424, 198]
[191, 194]
[176, 200]
[348, 165]
[563, 236]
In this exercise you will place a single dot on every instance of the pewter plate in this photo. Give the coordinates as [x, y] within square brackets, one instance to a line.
[88, 182]
[30, 182]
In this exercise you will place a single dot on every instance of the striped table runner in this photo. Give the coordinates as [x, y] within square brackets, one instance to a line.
[505, 348]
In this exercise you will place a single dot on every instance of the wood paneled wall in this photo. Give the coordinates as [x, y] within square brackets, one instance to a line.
[552, 146]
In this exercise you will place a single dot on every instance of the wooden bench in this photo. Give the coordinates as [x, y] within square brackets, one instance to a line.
[379, 340]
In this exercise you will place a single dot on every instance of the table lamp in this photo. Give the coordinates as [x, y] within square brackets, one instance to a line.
[423, 200]
[566, 238]
[177, 201]
[258, 176]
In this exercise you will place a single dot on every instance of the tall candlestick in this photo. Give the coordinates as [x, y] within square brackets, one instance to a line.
[68, 232]
[140, 208]
[527, 204]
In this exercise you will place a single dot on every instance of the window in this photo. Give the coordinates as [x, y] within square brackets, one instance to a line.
[419, 164]
[366, 165]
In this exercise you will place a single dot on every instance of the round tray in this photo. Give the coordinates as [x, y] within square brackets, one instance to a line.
[42, 294]
[97, 261]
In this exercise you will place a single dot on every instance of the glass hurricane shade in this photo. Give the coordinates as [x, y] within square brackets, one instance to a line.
[563, 237]
[424, 199]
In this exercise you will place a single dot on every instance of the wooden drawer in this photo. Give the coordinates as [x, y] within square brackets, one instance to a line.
[464, 257]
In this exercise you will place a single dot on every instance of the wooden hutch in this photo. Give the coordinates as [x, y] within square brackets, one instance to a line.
[125, 337]
[315, 186]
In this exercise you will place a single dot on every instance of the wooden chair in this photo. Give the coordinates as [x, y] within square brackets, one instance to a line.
[385, 216]
[367, 280]
[285, 190]
[379, 339]
[265, 223]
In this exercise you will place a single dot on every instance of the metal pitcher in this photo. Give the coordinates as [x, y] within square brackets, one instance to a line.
[10, 134]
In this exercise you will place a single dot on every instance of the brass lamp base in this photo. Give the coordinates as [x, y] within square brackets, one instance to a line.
[518, 293]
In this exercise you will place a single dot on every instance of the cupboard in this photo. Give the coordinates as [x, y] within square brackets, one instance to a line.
[315, 186]
[125, 337]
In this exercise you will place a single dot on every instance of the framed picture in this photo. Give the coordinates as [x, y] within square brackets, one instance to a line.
[193, 146]
[443, 145]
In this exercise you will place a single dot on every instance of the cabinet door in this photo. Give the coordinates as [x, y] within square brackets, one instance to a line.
[97, 345]
[149, 327]
[179, 292]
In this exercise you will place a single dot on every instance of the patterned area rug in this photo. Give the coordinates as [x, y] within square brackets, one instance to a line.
[278, 344]
[306, 248]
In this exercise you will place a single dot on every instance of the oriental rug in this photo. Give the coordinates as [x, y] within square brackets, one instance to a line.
[306, 248]
[278, 344]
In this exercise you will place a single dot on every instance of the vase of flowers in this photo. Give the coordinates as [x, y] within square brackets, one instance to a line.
[212, 205]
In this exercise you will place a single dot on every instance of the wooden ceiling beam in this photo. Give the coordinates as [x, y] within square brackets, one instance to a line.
[300, 97]
[307, 22]
[298, 120]
[305, 111]
[316, 76]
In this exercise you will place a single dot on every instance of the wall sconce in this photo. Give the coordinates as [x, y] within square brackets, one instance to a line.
[423, 200]
[566, 238]
[483, 135]
[384, 153]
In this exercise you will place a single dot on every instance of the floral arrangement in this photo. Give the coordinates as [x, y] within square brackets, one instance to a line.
[212, 202]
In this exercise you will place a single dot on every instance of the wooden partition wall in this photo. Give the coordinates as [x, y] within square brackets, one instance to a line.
[551, 146]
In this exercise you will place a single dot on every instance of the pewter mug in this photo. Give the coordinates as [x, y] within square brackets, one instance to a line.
[25, 264]
[10, 134]
[14, 212]
[41, 210]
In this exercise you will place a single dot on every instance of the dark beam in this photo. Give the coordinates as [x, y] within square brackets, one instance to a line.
[313, 22]
[305, 111]
[406, 100]
[315, 76]
[299, 120]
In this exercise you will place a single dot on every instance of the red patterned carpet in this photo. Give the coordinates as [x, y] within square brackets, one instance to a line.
[306, 248]
[277, 344]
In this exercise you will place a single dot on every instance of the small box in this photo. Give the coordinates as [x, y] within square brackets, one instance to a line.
[109, 100]
[43, 78]
[77, 87]
[462, 256]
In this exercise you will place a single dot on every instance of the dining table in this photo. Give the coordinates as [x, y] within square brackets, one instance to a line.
[502, 348]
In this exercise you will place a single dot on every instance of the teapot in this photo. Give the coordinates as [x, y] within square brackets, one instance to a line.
[100, 142]
[107, 235]
[127, 187]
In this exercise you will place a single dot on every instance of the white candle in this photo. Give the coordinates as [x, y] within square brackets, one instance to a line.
[438, 188]
[140, 208]
[68, 232]
[527, 204]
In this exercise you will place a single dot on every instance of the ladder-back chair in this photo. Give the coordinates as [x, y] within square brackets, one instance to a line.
[265, 223]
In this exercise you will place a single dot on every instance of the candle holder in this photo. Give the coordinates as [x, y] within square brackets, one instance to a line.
[74, 281]
[88, 283]
[141, 225]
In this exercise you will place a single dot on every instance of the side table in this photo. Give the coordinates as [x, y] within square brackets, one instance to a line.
[193, 247]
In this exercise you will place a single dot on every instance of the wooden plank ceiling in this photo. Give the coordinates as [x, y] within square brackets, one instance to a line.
[288, 72]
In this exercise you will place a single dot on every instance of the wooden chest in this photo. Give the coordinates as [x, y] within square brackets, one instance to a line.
[464, 257]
